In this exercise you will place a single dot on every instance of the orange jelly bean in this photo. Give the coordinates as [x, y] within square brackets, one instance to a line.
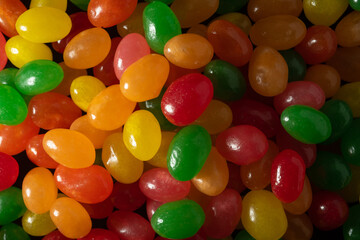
[199, 29]
[347, 62]
[281, 32]
[160, 158]
[303, 202]
[110, 109]
[69, 148]
[348, 30]
[10, 10]
[238, 19]
[268, 72]
[39, 190]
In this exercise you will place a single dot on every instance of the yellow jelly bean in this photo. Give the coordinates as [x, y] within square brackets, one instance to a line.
[120, 163]
[21, 51]
[263, 215]
[43, 24]
[160, 158]
[37, 224]
[59, 4]
[238, 19]
[83, 89]
[349, 93]
[69, 75]
[142, 135]
[134, 24]
[324, 12]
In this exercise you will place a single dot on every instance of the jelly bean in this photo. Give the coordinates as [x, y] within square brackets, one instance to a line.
[52, 110]
[243, 235]
[96, 183]
[306, 124]
[263, 216]
[159, 160]
[346, 30]
[79, 22]
[354, 4]
[82, 4]
[238, 48]
[268, 72]
[226, 6]
[100, 234]
[348, 93]
[144, 79]
[326, 77]
[351, 192]
[13, 231]
[142, 135]
[128, 225]
[281, 32]
[238, 19]
[127, 197]
[188, 152]
[190, 12]
[60, 145]
[133, 24]
[59, 4]
[350, 143]
[151, 207]
[199, 29]
[55, 235]
[323, 12]
[69, 75]
[12, 106]
[257, 175]
[39, 190]
[37, 224]
[178, 220]
[287, 176]
[229, 83]
[223, 214]
[70, 218]
[43, 24]
[9, 169]
[107, 13]
[352, 225]
[7, 76]
[14, 138]
[11, 204]
[160, 25]
[242, 144]
[87, 49]
[120, 163]
[109, 110]
[259, 9]
[303, 202]
[99, 210]
[329, 172]
[328, 210]
[3, 59]
[257, 114]
[38, 76]
[10, 10]
[216, 118]
[187, 98]
[296, 65]
[177, 72]
[299, 227]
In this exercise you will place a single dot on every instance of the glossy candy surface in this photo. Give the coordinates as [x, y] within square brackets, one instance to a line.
[296, 64]
[347, 30]
[133, 24]
[9, 169]
[303, 202]
[13, 231]
[350, 143]
[59, 4]
[37, 224]
[351, 228]
[299, 227]
[10, 10]
[11, 204]
[13, 108]
[323, 12]
[238, 19]
[347, 93]
[159, 160]
[100, 234]
[127, 197]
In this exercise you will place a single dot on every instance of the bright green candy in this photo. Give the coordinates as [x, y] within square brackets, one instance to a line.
[13, 109]
[229, 83]
[296, 65]
[7, 76]
[188, 152]
[82, 4]
[355, 4]
[329, 172]
[154, 106]
[12, 231]
[306, 124]
[244, 235]
[350, 143]
[178, 220]
[164, 1]
[11, 205]
[160, 25]
[227, 6]
[351, 228]
[38, 76]
[340, 116]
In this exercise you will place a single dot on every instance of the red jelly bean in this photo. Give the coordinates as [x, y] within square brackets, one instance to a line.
[100, 234]
[242, 144]
[10, 10]
[36, 153]
[55, 235]
[99, 210]
[3, 57]
[235, 181]
[151, 206]
[287, 176]
[127, 197]
[9, 171]
[187, 98]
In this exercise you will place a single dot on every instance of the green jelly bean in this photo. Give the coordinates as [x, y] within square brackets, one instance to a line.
[329, 172]
[188, 152]
[82, 4]
[350, 143]
[296, 65]
[11, 205]
[164, 1]
[7, 76]
[160, 25]
[12, 231]
[38, 77]
[229, 83]
[351, 228]
[306, 124]
[228, 6]
[243, 235]
[340, 116]
[178, 220]
[355, 4]
[154, 106]
[13, 109]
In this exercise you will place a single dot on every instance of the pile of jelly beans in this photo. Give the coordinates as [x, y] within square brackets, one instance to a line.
[179, 119]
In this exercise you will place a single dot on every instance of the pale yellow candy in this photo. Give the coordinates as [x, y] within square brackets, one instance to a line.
[59, 4]
[37, 224]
